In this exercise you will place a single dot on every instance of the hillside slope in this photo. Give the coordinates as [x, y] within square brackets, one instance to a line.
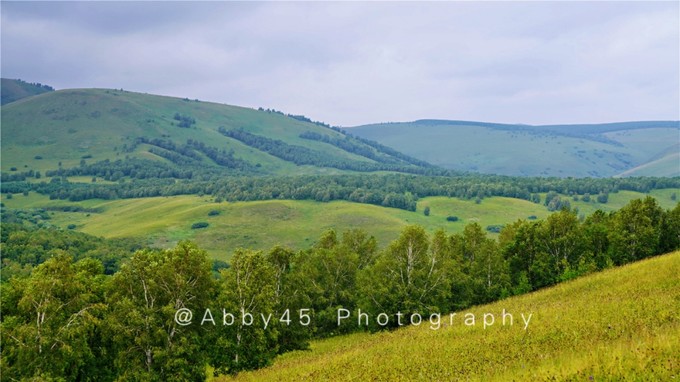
[14, 90]
[620, 324]
[598, 150]
[163, 221]
[59, 129]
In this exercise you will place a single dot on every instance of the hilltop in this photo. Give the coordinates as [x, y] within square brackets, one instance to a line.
[14, 90]
[648, 148]
[619, 324]
[67, 128]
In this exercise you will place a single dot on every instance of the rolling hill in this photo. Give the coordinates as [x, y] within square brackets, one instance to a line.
[595, 150]
[163, 221]
[61, 129]
[14, 90]
[620, 324]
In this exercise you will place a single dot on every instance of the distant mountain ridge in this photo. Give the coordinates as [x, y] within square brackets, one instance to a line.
[579, 150]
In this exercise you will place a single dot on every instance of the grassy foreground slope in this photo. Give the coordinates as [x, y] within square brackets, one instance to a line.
[620, 324]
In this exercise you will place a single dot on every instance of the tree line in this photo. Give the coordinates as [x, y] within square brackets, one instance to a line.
[69, 320]
[301, 155]
[136, 178]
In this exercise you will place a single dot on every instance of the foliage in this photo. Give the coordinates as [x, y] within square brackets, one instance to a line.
[69, 320]
[621, 324]
[199, 225]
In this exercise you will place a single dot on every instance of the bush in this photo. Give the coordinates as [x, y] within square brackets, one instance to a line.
[496, 228]
[427, 211]
[603, 198]
[71, 226]
[452, 218]
[38, 157]
[199, 225]
[214, 212]
[532, 217]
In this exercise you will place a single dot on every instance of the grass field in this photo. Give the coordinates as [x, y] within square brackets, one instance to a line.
[620, 324]
[66, 126]
[475, 148]
[296, 224]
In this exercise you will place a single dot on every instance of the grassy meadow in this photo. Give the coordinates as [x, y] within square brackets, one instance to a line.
[68, 125]
[164, 221]
[620, 324]
[475, 148]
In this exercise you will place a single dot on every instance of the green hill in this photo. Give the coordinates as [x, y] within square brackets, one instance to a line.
[60, 129]
[163, 221]
[595, 150]
[620, 324]
[14, 90]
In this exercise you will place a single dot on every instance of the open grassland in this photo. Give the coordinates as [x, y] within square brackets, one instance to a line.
[620, 324]
[60, 128]
[296, 224]
[534, 152]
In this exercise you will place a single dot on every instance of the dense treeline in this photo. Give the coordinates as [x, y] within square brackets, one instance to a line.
[142, 178]
[70, 321]
[348, 145]
[26, 246]
[304, 156]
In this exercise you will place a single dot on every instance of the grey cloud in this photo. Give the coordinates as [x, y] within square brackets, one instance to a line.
[352, 63]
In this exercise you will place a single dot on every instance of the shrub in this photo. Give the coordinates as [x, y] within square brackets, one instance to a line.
[199, 225]
[495, 228]
[71, 226]
[532, 217]
[452, 218]
[214, 213]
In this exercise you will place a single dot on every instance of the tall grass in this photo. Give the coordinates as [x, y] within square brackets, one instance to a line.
[621, 324]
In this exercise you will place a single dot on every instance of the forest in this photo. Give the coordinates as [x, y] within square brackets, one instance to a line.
[76, 307]
[136, 178]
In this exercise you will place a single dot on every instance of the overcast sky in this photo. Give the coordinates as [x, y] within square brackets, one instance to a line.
[362, 62]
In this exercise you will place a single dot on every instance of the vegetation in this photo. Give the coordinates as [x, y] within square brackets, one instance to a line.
[14, 90]
[199, 225]
[253, 189]
[621, 324]
[88, 325]
[600, 150]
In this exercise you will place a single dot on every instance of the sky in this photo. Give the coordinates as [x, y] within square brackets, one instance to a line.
[353, 63]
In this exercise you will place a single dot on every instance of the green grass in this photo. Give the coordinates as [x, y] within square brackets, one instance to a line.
[163, 221]
[620, 324]
[523, 153]
[67, 125]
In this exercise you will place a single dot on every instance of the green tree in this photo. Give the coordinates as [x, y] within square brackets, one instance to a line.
[145, 295]
[561, 238]
[248, 292]
[366, 247]
[50, 320]
[636, 231]
[331, 274]
[409, 276]
[290, 297]
[670, 230]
